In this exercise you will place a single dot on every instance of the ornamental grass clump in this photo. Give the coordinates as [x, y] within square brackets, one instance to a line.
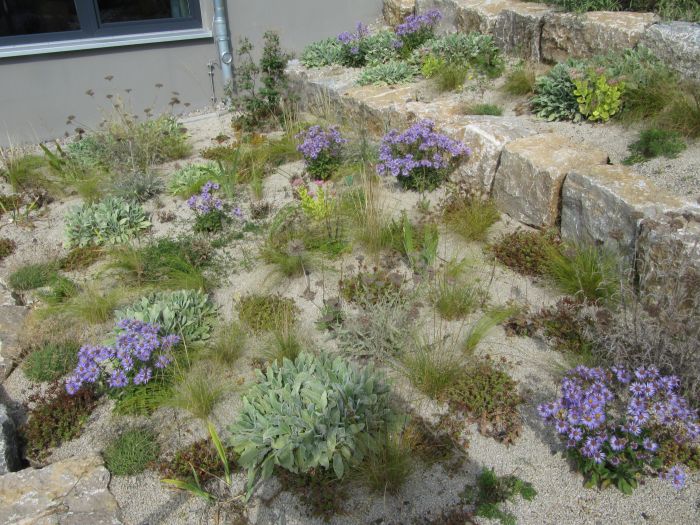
[617, 424]
[310, 415]
[420, 158]
[136, 354]
[416, 30]
[322, 149]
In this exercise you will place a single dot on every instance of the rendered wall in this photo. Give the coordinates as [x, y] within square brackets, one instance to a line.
[38, 92]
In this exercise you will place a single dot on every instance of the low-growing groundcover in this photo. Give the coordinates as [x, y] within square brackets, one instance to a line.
[616, 424]
[131, 452]
[311, 413]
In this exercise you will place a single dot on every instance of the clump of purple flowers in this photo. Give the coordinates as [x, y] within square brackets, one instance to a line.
[210, 210]
[206, 201]
[417, 29]
[137, 351]
[616, 424]
[322, 150]
[354, 46]
[420, 157]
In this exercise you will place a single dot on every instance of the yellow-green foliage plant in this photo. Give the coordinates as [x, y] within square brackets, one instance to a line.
[598, 97]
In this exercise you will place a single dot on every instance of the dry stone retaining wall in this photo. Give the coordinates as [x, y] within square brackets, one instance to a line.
[542, 180]
[541, 33]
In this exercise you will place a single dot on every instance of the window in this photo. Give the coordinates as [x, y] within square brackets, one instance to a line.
[30, 21]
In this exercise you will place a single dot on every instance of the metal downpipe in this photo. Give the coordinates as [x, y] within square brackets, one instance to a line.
[222, 38]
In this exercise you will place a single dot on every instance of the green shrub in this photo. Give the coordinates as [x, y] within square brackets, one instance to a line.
[467, 49]
[489, 396]
[554, 94]
[188, 313]
[394, 72]
[138, 186]
[52, 361]
[322, 53]
[307, 414]
[32, 276]
[584, 271]
[131, 452]
[164, 263]
[189, 180]
[598, 97]
[526, 252]
[261, 88]
[491, 491]
[111, 221]
[265, 313]
[7, 247]
[57, 417]
[484, 109]
[654, 143]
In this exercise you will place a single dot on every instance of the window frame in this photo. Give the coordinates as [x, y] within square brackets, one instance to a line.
[92, 28]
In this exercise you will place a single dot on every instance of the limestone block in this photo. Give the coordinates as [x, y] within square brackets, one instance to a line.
[668, 251]
[73, 491]
[531, 172]
[395, 11]
[604, 205]
[677, 44]
[566, 35]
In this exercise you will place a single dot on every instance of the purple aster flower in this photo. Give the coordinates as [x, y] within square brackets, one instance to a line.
[143, 376]
[118, 379]
[649, 445]
[676, 475]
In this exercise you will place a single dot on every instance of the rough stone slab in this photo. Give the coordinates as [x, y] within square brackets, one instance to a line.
[566, 35]
[395, 11]
[531, 172]
[11, 320]
[668, 251]
[9, 454]
[72, 491]
[677, 44]
[486, 136]
[515, 26]
[604, 205]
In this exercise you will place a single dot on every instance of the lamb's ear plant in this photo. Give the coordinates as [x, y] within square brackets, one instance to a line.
[111, 221]
[284, 409]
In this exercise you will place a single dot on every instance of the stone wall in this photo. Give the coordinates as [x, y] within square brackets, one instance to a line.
[541, 33]
[542, 180]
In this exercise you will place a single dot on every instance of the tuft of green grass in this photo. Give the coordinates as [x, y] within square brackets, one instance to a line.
[52, 361]
[131, 452]
[266, 313]
[451, 77]
[584, 271]
[387, 467]
[432, 368]
[492, 490]
[520, 81]
[22, 171]
[470, 217]
[164, 264]
[484, 109]
[228, 344]
[454, 299]
[481, 328]
[32, 276]
[285, 343]
[93, 305]
[292, 260]
[80, 258]
[683, 113]
[198, 392]
[61, 290]
[654, 143]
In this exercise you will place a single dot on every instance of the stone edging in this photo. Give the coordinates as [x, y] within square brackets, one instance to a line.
[541, 33]
[542, 180]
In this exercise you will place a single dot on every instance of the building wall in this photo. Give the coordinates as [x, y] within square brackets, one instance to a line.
[39, 92]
